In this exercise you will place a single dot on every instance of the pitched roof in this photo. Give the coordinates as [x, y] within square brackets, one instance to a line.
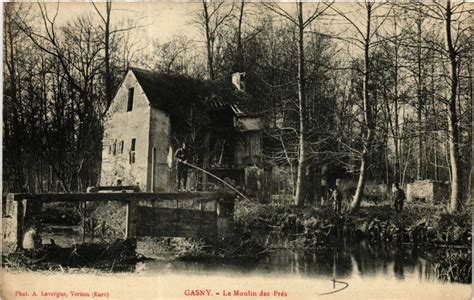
[161, 89]
[175, 92]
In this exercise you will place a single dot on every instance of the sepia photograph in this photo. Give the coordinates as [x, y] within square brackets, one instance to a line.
[237, 149]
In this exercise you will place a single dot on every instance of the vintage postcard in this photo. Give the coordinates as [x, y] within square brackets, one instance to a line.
[237, 150]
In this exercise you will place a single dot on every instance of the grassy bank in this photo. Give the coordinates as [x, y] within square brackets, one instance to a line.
[118, 256]
[312, 227]
[446, 238]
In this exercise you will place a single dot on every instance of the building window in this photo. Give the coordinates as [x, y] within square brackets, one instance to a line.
[130, 99]
[121, 147]
[114, 148]
[132, 151]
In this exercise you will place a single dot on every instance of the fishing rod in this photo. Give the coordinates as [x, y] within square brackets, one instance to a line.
[214, 176]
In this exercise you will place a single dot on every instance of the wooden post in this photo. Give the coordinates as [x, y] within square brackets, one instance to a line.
[205, 161]
[29, 223]
[218, 207]
[21, 223]
[84, 222]
[153, 171]
[10, 226]
[214, 205]
[131, 220]
[201, 206]
[225, 217]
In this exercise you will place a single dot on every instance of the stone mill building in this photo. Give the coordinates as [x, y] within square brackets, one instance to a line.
[150, 110]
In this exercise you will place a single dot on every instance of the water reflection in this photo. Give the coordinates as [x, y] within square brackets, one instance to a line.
[359, 260]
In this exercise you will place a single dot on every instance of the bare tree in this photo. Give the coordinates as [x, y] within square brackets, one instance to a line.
[454, 18]
[172, 56]
[106, 19]
[240, 50]
[301, 23]
[12, 119]
[365, 40]
[211, 20]
[112, 36]
[76, 47]
[454, 48]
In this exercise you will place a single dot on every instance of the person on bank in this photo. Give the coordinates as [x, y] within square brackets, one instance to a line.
[181, 156]
[336, 199]
[398, 197]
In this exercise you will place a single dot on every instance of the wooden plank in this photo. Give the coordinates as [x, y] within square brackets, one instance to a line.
[145, 213]
[155, 216]
[187, 214]
[166, 203]
[191, 222]
[122, 197]
[182, 226]
[163, 222]
[96, 189]
[166, 222]
[159, 212]
[176, 233]
[179, 233]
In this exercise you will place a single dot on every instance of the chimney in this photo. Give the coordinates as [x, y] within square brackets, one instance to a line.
[238, 81]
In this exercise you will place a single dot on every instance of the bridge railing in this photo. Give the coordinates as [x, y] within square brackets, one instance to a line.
[193, 214]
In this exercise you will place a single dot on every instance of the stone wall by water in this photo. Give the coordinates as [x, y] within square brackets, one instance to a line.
[427, 191]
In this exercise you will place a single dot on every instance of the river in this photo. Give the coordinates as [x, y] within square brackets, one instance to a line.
[385, 269]
[360, 271]
[360, 260]
[350, 271]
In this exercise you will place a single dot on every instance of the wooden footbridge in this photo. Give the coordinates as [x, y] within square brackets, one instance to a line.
[193, 214]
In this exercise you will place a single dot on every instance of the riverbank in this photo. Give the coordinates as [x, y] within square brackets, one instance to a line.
[117, 256]
[445, 238]
[309, 227]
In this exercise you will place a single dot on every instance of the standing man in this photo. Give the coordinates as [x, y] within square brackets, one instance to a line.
[181, 156]
[398, 197]
[337, 199]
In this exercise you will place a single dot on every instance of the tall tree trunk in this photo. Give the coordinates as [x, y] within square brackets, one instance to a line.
[435, 144]
[453, 132]
[209, 42]
[15, 129]
[240, 50]
[108, 73]
[419, 85]
[356, 201]
[301, 171]
[396, 141]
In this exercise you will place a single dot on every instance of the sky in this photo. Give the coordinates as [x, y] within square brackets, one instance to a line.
[162, 20]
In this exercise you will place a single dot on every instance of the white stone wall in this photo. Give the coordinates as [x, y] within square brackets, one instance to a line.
[160, 141]
[428, 190]
[124, 126]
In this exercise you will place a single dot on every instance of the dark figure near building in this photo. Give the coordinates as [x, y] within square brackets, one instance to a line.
[398, 197]
[181, 156]
[336, 199]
